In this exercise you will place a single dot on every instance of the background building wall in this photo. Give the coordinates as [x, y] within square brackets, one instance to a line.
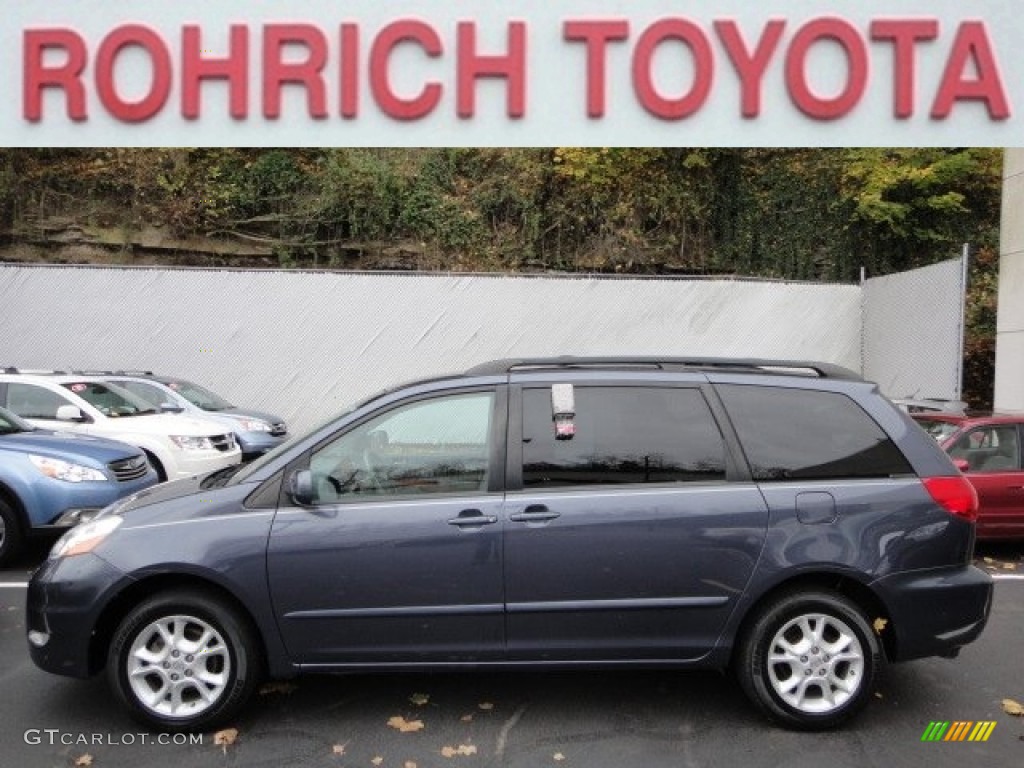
[1009, 385]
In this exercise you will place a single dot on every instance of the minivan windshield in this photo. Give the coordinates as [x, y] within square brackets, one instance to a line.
[109, 399]
[248, 469]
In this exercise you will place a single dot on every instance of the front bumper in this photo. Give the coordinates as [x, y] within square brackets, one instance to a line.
[255, 444]
[935, 612]
[50, 500]
[65, 599]
[191, 463]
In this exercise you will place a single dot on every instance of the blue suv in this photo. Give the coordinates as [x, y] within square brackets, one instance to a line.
[779, 518]
[50, 480]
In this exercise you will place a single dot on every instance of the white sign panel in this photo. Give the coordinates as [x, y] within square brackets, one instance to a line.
[532, 72]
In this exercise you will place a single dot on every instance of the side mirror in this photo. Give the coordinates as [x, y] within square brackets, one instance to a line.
[300, 488]
[70, 413]
[170, 408]
[961, 464]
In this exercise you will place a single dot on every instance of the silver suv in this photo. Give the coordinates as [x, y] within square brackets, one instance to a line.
[256, 431]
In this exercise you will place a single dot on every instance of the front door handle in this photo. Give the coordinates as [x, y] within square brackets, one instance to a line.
[535, 513]
[472, 518]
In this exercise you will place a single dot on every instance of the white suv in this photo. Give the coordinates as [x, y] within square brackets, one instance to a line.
[177, 446]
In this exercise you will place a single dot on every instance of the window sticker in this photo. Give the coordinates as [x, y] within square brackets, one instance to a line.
[563, 411]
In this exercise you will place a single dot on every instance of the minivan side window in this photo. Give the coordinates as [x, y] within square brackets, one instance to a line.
[622, 435]
[436, 446]
[800, 434]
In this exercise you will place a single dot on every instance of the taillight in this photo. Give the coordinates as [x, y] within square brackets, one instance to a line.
[955, 495]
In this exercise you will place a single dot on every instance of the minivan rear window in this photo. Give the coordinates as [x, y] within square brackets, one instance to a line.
[800, 434]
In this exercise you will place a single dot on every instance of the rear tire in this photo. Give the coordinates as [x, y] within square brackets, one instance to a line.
[183, 660]
[12, 539]
[809, 660]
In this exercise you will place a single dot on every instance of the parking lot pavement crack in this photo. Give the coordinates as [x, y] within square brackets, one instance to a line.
[499, 747]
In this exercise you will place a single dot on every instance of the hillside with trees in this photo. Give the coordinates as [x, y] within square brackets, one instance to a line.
[797, 214]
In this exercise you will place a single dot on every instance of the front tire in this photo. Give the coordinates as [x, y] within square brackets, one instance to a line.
[809, 660]
[183, 660]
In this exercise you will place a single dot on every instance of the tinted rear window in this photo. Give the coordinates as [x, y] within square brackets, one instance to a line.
[623, 435]
[798, 434]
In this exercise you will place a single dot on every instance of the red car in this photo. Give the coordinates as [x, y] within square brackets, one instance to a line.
[987, 449]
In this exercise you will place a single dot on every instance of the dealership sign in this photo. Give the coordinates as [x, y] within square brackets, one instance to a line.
[530, 72]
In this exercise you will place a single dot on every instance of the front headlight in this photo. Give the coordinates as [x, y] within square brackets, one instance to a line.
[85, 537]
[189, 443]
[66, 471]
[253, 425]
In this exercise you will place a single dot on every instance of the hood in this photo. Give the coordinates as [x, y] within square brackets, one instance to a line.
[164, 424]
[180, 500]
[67, 446]
[247, 413]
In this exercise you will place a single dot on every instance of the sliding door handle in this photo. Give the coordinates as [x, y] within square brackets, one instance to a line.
[535, 513]
[472, 518]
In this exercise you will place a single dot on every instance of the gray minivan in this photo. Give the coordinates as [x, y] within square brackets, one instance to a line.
[781, 518]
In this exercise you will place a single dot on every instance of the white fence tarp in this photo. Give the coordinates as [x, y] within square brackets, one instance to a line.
[304, 344]
[913, 331]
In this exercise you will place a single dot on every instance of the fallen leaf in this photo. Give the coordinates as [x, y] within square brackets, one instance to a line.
[377, 760]
[408, 764]
[405, 726]
[1010, 566]
[880, 625]
[1012, 707]
[225, 738]
[419, 699]
[988, 560]
[339, 749]
[466, 718]
[486, 706]
[463, 750]
[878, 695]
[84, 761]
[278, 686]
[558, 757]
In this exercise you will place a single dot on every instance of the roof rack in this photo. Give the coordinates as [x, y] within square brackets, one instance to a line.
[88, 372]
[33, 371]
[72, 371]
[725, 364]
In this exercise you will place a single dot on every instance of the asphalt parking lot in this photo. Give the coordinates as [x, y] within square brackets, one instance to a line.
[529, 720]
